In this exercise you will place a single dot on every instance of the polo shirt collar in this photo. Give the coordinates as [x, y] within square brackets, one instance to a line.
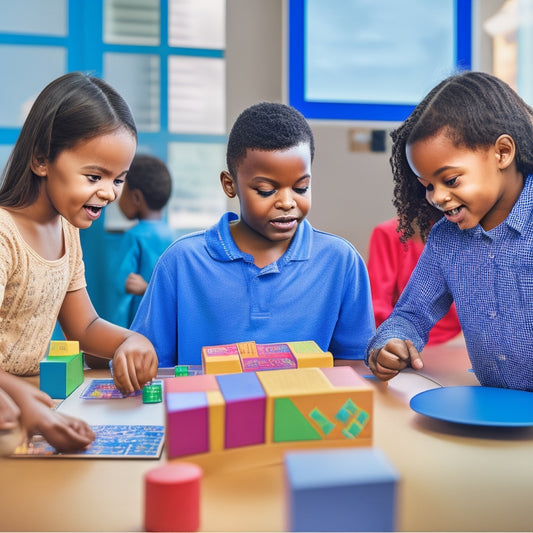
[222, 247]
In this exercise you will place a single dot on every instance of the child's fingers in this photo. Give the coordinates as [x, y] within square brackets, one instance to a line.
[9, 412]
[65, 433]
[148, 370]
[414, 356]
[121, 375]
[396, 355]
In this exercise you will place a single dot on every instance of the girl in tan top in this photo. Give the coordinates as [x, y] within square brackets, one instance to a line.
[69, 162]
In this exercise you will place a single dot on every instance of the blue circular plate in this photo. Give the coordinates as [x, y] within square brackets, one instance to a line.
[481, 406]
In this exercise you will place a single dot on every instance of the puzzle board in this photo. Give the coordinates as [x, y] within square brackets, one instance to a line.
[112, 441]
[103, 389]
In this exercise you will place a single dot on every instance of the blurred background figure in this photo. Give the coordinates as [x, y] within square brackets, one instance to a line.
[390, 263]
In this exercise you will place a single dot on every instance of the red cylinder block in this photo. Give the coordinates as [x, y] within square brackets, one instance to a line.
[172, 497]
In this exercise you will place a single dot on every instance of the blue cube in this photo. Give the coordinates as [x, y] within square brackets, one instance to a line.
[341, 489]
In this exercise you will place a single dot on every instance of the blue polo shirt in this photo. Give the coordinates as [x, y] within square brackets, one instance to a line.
[204, 291]
[489, 276]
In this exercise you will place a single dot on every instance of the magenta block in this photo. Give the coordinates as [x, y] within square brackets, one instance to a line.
[245, 409]
[187, 423]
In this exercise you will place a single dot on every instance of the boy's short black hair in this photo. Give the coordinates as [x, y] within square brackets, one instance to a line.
[267, 126]
[151, 176]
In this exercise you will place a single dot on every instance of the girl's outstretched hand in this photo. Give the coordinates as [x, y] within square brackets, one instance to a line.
[64, 433]
[9, 412]
[396, 355]
[134, 364]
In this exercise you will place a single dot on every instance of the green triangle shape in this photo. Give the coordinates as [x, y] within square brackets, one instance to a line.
[290, 424]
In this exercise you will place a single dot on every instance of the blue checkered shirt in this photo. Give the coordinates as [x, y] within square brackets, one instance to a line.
[489, 275]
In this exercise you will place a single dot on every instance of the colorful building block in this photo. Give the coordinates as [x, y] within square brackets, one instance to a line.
[267, 357]
[308, 354]
[189, 412]
[222, 359]
[317, 404]
[343, 489]
[61, 375]
[245, 409]
[64, 348]
[329, 404]
[252, 357]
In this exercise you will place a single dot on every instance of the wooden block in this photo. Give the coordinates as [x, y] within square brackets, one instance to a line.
[276, 356]
[245, 409]
[58, 348]
[342, 489]
[247, 349]
[217, 420]
[187, 423]
[202, 382]
[223, 359]
[310, 404]
[308, 354]
[61, 375]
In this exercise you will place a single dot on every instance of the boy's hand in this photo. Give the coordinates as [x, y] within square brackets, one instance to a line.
[396, 355]
[135, 284]
[134, 364]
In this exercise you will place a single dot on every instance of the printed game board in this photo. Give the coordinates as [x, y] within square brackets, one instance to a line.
[112, 441]
[103, 389]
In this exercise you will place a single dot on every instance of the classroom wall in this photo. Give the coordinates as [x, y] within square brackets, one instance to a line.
[352, 191]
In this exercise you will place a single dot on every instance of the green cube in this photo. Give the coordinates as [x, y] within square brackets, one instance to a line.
[61, 375]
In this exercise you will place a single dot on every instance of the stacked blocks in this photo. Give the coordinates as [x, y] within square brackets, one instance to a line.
[252, 357]
[340, 490]
[61, 372]
[215, 412]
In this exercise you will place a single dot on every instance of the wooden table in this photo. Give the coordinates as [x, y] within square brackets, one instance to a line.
[453, 477]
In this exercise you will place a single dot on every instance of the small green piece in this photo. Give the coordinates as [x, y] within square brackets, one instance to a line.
[153, 393]
[181, 370]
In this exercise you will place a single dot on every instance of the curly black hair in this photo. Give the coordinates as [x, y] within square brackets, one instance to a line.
[267, 126]
[151, 176]
[473, 109]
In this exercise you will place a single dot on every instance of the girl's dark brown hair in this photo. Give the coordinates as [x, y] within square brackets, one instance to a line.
[473, 109]
[72, 108]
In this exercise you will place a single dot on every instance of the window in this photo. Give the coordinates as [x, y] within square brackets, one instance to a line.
[166, 57]
[373, 59]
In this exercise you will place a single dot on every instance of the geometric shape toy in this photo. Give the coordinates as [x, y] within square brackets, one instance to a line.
[342, 489]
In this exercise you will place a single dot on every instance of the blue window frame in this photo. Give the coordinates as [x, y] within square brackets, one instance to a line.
[344, 56]
[40, 41]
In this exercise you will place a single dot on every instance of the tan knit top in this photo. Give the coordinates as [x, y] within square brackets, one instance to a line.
[32, 290]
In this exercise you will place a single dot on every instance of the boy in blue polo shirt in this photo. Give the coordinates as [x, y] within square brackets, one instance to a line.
[265, 276]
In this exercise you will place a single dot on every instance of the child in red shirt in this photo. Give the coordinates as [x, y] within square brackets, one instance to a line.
[390, 263]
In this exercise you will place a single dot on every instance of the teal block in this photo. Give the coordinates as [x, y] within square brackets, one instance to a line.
[61, 375]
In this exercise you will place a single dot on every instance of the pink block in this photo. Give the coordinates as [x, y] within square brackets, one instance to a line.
[245, 423]
[344, 376]
[203, 382]
[187, 429]
[245, 409]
